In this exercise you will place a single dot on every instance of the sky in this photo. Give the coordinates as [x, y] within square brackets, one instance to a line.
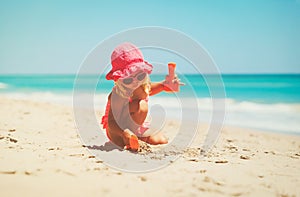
[255, 36]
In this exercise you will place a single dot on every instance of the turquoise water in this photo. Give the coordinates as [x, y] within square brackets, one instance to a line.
[266, 102]
[254, 88]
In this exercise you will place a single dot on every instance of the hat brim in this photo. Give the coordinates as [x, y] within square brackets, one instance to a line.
[133, 68]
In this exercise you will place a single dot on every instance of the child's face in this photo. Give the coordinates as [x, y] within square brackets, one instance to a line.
[135, 80]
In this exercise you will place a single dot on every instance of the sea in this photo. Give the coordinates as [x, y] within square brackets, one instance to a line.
[269, 102]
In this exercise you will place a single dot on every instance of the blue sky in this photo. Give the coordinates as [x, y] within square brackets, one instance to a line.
[255, 36]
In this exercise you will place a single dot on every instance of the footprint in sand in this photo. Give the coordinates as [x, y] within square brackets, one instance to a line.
[230, 140]
[221, 161]
[245, 149]
[8, 172]
[28, 173]
[232, 148]
[194, 159]
[245, 157]
[13, 140]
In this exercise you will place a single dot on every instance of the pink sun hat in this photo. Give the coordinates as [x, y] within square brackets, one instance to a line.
[127, 59]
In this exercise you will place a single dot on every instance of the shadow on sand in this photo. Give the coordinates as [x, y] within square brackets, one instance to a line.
[108, 146]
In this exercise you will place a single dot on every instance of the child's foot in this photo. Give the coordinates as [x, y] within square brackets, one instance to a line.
[130, 140]
[155, 139]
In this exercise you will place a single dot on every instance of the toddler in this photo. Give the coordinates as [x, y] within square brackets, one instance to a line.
[127, 105]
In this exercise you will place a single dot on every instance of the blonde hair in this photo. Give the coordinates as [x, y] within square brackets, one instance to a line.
[126, 92]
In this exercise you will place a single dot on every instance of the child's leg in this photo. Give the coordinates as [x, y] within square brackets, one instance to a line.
[138, 115]
[122, 138]
[138, 111]
[126, 139]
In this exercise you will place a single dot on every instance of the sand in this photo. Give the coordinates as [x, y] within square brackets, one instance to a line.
[42, 154]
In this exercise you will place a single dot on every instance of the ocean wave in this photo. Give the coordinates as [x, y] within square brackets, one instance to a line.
[3, 85]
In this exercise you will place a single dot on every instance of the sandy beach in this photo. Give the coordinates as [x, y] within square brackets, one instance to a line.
[41, 154]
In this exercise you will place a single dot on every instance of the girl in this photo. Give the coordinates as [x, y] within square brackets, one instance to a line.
[127, 105]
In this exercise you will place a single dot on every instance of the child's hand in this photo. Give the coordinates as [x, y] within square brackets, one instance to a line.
[130, 140]
[177, 81]
[172, 84]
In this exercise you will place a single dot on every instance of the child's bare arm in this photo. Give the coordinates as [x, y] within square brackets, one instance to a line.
[156, 88]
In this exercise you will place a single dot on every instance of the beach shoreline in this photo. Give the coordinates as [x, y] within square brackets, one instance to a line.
[41, 154]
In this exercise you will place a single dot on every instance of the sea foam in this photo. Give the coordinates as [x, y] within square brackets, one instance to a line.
[3, 85]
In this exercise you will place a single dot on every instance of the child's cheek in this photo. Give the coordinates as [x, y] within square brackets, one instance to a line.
[136, 85]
